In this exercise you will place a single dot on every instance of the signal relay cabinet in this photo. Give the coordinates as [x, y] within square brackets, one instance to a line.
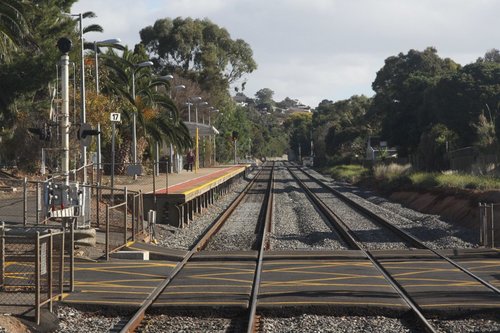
[66, 200]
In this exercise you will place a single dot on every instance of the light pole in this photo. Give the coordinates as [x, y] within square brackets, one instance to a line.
[189, 110]
[134, 117]
[209, 112]
[172, 155]
[96, 44]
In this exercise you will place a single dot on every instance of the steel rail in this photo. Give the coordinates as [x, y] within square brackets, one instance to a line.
[412, 239]
[351, 239]
[266, 226]
[135, 321]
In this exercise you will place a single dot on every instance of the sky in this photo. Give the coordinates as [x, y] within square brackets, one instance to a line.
[313, 50]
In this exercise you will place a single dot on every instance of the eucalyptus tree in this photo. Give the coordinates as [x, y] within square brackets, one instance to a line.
[198, 49]
[13, 27]
[400, 87]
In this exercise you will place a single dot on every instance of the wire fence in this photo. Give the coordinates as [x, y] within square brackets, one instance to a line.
[489, 231]
[32, 269]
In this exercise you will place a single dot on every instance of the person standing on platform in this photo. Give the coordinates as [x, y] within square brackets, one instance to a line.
[190, 160]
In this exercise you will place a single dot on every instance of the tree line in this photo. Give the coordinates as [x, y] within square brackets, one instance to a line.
[424, 105]
[193, 54]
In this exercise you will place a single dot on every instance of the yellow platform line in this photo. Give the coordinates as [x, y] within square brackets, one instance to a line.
[228, 175]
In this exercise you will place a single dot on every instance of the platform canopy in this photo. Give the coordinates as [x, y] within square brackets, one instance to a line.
[203, 129]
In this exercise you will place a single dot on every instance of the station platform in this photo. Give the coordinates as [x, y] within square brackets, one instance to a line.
[189, 193]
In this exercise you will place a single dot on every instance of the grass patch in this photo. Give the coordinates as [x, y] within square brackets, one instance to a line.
[351, 173]
[394, 176]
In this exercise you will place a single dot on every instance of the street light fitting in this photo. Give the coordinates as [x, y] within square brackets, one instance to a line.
[196, 99]
[144, 64]
[180, 86]
[108, 41]
[167, 77]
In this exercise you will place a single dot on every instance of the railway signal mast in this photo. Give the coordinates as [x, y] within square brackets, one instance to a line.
[62, 198]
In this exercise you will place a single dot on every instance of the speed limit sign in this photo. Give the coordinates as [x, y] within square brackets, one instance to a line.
[115, 117]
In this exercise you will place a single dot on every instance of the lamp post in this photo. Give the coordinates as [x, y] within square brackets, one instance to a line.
[172, 155]
[209, 112]
[96, 44]
[134, 117]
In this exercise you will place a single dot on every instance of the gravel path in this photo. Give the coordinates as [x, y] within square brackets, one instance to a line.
[297, 224]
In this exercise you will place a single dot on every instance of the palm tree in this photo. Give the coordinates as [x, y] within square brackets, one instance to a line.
[13, 27]
[157, 116]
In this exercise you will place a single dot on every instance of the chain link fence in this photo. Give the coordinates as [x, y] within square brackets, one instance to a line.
[32, 269]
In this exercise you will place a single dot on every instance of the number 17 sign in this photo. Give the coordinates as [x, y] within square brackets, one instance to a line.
[115, 117]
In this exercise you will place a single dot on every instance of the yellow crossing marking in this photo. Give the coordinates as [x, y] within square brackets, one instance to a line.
[222, 279]
[235, 270]
[435, 270]
[332, 302]
[211, 286]
[338, 274]
[200, 303]
[103, 302]
[218, 264]
[104, 270]
[108, 285]
[468, 304]
[363, 263]
[111, 291]
[202, 293]
[469, 282]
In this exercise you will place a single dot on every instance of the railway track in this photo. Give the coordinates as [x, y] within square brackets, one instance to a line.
[353, 240]
[232, 279]
[258, 190]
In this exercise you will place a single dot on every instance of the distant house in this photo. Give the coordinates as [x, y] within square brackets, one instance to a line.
[298, 109]
[377, 149]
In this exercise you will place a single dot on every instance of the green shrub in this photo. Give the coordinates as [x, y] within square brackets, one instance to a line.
[351, 173]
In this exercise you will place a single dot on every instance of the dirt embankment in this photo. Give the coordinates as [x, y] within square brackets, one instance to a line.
[459, 207]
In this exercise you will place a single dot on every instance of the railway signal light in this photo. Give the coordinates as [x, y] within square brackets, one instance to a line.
[235, 135]
[84, 134]
[43, 133]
